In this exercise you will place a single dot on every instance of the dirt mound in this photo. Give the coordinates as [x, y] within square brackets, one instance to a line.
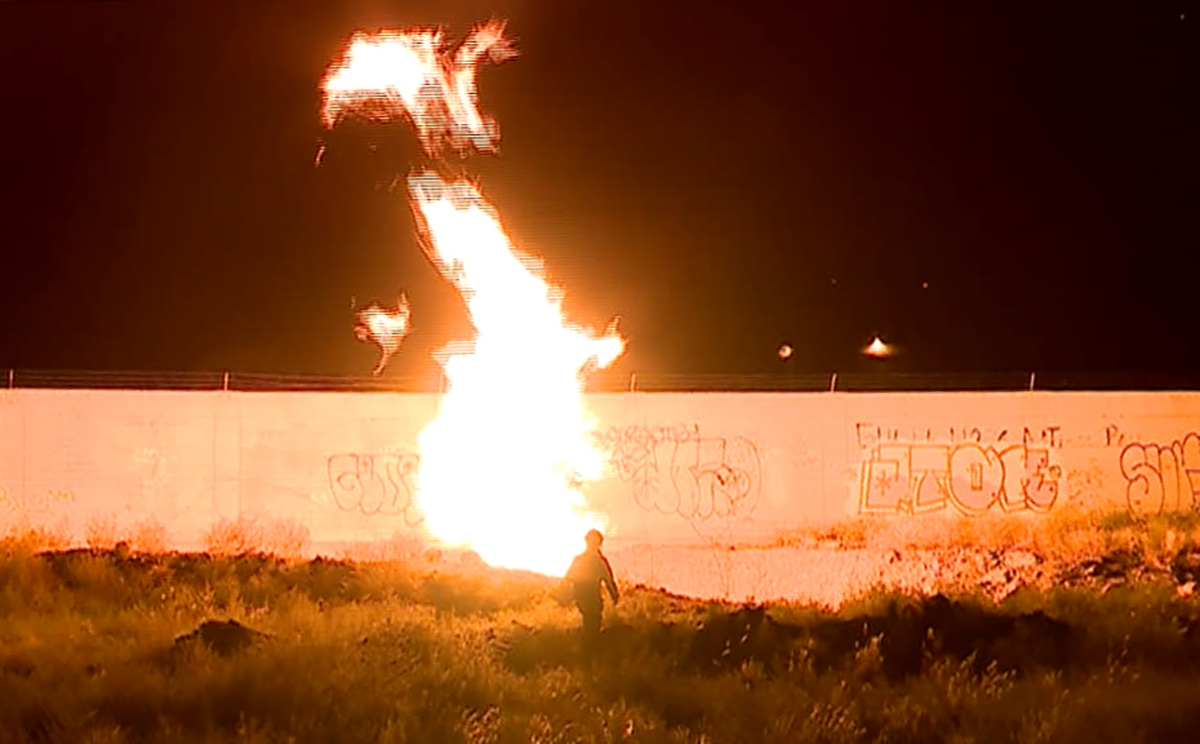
[726, 641]
[133, 577]
[907, 637]
[939, 627]
[222, 637]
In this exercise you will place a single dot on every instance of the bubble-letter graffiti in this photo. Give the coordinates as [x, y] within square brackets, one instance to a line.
[1162, 477]
[374, 484]
[676, 470]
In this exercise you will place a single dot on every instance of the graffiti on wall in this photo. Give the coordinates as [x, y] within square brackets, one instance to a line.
[50, 499]
[1161, 477]
[976, 471]
[870, 435]
[678, 470]
[375, 484]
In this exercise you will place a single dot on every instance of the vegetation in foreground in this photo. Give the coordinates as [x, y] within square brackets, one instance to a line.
[102, 646]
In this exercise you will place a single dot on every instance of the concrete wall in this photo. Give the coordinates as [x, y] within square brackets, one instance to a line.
[686, 468]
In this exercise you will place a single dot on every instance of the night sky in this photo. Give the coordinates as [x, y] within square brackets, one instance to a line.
[1008, 186]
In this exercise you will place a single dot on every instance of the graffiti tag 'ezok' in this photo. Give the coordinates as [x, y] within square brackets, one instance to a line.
[375, 484]
[920, 478]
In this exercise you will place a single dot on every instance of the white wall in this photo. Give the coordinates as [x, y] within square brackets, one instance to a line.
[685, 468]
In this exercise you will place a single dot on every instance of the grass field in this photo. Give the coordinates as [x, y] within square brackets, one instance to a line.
[94, 647]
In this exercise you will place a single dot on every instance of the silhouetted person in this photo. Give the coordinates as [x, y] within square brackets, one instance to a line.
[588, 571]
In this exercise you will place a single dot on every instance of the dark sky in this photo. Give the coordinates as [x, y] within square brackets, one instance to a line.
[1006, 186]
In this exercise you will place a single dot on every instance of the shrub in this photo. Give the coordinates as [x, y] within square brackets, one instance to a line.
[233, 536]
[286, 538]
[100, 531]
[280, 537]
[148, 536]
[29, 539]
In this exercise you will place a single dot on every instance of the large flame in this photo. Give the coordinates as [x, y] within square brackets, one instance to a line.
[505, 459]
[392, 74]
[503, 462]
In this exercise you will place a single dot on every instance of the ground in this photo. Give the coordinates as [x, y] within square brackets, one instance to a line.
[1022, 636]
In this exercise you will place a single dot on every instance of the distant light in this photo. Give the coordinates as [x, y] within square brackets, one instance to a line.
[924, 285]
[785, 352]
[878, 349]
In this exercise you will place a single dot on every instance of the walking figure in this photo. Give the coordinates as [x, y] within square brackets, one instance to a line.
[588, 571]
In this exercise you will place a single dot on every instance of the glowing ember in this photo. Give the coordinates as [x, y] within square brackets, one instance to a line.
[392, 74]
[504, 461]
[384, 327]
[502, 464]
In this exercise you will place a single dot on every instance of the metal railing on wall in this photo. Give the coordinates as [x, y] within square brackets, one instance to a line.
[610, 381]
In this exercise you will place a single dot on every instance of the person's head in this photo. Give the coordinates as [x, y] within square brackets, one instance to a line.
[594, 539]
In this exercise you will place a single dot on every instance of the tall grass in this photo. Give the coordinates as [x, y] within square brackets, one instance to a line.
[390, 652]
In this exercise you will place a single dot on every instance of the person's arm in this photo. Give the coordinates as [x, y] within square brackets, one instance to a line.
[568, 579]
[572, 574]
[608, 579]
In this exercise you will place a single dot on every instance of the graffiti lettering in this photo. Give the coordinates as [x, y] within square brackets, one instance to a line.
[871, 435]
[37, 502]
[676, 470]
[922, 478]
[1162, 477]
[375, 484]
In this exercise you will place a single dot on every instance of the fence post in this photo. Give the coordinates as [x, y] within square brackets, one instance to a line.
[633, 382]
[11, 374]
[1032, 377]
[225, 382]
[833, 383]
